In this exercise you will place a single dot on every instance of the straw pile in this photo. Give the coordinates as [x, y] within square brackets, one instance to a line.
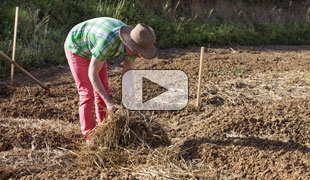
[122, 136]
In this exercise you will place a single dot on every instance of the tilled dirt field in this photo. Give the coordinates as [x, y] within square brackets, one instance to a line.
[254, 121]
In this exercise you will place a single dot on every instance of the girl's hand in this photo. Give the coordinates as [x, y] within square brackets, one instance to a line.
[112, 106]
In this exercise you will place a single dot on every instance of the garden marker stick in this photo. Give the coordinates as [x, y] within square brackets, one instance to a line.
[14, 46]
[202, 53]
[26, 72]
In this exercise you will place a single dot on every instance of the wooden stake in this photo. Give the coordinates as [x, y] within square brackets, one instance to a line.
[202, 53]
[14, 46]
[24, 71]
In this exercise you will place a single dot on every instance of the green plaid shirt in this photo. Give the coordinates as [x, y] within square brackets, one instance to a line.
[97, 37]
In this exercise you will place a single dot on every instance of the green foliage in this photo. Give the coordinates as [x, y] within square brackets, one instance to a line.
[223, 72]
[238, 70]
[43, 26]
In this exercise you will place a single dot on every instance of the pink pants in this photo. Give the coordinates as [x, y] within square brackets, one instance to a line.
[79, 68]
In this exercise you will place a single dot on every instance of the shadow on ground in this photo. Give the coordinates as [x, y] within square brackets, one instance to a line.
[190, 147]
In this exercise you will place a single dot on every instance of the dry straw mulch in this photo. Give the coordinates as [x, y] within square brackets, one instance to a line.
[134, 142]
[122, 140]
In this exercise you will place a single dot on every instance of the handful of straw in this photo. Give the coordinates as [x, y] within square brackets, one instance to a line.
[118, 136]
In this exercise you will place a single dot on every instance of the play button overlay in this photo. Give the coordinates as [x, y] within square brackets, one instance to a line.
[151, 90]
[155, 90]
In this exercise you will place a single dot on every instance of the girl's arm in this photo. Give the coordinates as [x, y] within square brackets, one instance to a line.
[93, 74]
[128, 65]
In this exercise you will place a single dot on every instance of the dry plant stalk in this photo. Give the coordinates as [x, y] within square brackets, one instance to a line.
[115, 140]
[167, 163]
[133, 142]
[6, 172]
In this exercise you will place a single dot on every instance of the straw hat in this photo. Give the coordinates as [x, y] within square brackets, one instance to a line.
[140, 39]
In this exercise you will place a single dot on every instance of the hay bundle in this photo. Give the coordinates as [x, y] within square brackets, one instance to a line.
[121, 137]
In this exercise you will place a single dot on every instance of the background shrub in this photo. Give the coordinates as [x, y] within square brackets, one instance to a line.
[43, 25]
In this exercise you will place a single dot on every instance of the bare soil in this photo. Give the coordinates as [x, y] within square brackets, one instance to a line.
[254, 119]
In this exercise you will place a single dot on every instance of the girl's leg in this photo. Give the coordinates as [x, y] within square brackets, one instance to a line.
[79, 68]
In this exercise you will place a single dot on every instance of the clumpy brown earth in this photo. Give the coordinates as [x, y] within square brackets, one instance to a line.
[254, 119]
